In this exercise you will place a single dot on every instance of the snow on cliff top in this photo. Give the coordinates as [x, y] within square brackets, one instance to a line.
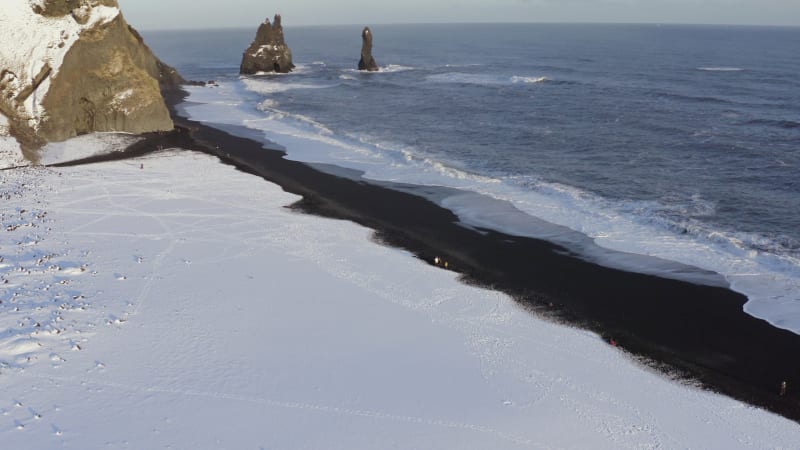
[28, 41]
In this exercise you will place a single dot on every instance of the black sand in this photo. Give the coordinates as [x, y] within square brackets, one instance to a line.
[697, 332]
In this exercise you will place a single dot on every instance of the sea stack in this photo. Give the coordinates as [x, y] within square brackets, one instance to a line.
[268, 52]
[367, 62]
[71, 67]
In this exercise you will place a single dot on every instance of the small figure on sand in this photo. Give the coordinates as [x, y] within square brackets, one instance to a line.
[783, 388]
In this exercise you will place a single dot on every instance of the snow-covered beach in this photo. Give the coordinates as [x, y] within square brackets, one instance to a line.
[171, 301]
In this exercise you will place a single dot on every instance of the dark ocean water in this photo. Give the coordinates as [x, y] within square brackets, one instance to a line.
[681, 142]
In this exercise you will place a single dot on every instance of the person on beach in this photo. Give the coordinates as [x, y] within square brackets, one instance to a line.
[783, 389]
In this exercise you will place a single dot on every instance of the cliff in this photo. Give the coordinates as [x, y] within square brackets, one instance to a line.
[268, 52]
[70, 67]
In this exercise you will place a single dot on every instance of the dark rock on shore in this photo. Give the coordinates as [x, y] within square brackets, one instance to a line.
[268, 52]
[367, 62]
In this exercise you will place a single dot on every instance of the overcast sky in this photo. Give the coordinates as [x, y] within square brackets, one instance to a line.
[167, 14]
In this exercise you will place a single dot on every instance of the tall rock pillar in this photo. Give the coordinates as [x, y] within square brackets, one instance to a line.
[367, 62]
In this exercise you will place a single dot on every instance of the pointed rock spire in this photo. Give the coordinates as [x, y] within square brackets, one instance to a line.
[268, 52]
[367, 62]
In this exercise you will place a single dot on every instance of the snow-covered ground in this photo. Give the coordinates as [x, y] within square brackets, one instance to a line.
[10, 153]
[173, 302]
[73, 149]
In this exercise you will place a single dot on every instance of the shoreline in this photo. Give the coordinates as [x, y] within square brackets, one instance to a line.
[699, 331]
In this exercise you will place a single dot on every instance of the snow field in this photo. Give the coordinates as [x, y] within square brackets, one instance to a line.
[180, 305]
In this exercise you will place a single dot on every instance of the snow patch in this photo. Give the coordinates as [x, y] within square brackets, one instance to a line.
[10, 152]
[119, 100]
[4, 124]
[85, 146]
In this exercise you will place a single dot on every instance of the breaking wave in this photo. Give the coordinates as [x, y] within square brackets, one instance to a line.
[763, 266]
[485, 79]
[720, 69]
[269, 86]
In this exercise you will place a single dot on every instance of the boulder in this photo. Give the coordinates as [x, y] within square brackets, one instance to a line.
[367, 62]
[268, 52]
[81, 68]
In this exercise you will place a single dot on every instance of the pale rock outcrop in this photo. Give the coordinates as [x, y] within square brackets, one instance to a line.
[268, 52]
[367, 62]
[70, 67]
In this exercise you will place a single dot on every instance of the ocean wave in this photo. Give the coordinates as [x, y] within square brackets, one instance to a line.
[298, 69]
[785, 124]
[406, 156]
[692, 98]
[393, 68]
[485, 79]
[720, 69]
[389, 68]
[273, 86]
[270, 106]
[529, 80]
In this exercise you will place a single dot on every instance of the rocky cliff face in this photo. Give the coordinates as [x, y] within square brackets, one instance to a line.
[367, 62]
[268, 52]
[70, 67]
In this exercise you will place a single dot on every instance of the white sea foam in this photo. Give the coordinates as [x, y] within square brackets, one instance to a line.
[465, 78]
[389, 68]
[529, 80]
[269, 106]
[632, 228]
[269, 85]
[485, 79]
[720, 69]
[392, 68]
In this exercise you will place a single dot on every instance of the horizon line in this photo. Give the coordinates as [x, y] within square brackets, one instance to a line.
[307, 25]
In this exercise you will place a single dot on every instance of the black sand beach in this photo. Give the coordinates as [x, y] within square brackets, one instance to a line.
[692, 331]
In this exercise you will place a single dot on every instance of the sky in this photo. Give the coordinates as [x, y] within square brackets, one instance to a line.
[183, 14]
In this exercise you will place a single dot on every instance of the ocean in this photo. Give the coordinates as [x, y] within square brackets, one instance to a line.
[634, 146]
